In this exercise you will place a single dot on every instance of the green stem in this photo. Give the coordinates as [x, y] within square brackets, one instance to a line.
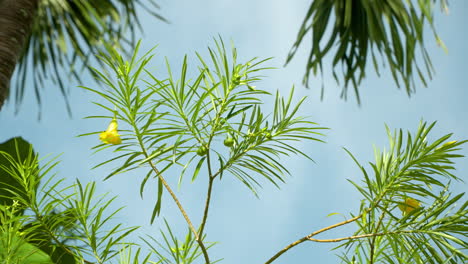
[372, 242]
[211, 177]
[181, 209]
[207, 205]
[174, 197]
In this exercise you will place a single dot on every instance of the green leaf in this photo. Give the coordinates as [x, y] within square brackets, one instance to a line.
[68, 35]
[332, 214]
[392, 30]
[25, 253]
[17, 160]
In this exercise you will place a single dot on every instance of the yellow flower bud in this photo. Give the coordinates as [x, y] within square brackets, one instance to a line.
[409, 205]
[449, 143]
[111, 136]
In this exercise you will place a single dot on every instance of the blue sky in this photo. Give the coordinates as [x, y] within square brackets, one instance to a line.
[251, 230]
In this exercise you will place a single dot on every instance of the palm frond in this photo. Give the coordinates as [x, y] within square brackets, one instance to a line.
[355, 30]
[67, 36]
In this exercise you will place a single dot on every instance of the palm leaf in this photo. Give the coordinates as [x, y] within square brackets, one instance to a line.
[67, 36]
[354, 30]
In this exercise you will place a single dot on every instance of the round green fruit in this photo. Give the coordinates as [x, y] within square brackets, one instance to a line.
[229, 142]
[201, 151]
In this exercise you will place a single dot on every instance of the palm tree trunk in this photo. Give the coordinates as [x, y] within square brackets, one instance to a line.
[16, 21]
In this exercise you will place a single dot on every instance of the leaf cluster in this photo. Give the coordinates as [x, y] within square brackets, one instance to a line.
[175, 251]
[49, 221]
[391, 31]
[412, 167]
[67, 34]
[182, 121]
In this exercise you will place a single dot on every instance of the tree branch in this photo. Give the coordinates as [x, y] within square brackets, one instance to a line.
[208, 197]
[181, 209]
[350, 237]
[309, 237]
[174, 197]
[372, 242]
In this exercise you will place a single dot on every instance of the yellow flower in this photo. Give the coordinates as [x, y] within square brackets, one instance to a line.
[409, 205]
[111, 136]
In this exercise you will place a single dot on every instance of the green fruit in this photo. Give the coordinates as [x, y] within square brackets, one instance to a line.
[229, 142]
[201, 151]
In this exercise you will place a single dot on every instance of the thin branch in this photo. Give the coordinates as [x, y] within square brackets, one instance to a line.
[281, 252]
[181, 209]
[372, 241]
[208, 197]
[351, 237]
[309, 237]
[174, 197]
[211, 176]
